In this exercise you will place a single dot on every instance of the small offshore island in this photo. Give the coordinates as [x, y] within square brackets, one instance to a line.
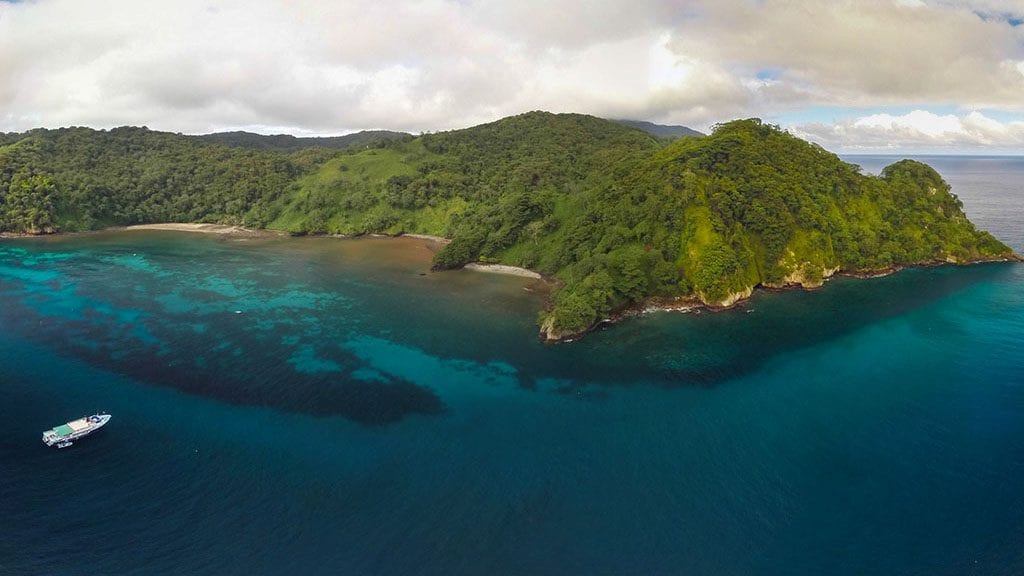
[615, 217]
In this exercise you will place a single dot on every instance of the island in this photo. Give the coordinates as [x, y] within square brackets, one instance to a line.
[614, 216]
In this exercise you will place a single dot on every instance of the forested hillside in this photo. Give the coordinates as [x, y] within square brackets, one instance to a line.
[74, 179]
[614, 214]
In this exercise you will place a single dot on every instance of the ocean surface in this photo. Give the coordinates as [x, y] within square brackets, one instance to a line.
[325, 406]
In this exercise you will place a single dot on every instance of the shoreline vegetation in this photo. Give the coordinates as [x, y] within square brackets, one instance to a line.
[684, 304]
[243, 232]
[693, 304]
[612, 217]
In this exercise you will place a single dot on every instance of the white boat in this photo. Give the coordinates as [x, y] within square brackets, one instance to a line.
[64, 435]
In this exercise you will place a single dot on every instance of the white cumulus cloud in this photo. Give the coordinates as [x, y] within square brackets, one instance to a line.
[918, 130]
[318, 66]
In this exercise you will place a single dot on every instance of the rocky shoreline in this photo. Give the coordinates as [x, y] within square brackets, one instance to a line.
[687, 304]
[548, 333]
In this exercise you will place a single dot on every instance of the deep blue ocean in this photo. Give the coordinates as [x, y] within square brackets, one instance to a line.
[326, 406]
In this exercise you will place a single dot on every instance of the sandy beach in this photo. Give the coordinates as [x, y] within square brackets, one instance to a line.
[438, 239]
[205, 229]
[231, 230]
[503, 269]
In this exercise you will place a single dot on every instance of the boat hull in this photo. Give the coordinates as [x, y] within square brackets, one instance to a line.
[65, 435]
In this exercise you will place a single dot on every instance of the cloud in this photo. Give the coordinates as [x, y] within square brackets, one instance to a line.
[862, 53]
[325, 67]
[918, 130]
[313, 66]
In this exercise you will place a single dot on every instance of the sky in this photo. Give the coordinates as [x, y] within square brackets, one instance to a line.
[940, 76]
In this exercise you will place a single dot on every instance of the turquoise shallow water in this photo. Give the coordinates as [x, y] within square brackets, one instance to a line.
[322, 406]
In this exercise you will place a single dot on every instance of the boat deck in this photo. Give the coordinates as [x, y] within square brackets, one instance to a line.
[72, 427]
[79, 425]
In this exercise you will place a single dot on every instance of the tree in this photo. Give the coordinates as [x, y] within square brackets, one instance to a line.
[28, 204]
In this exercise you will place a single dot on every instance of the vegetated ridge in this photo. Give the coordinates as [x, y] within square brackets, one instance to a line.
[670, 131]
[289, 143]
[613, 214]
